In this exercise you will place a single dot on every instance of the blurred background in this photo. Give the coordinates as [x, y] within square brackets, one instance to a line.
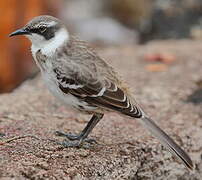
[101, 22]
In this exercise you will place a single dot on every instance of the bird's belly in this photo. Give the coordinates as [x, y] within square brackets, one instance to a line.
[67, 99]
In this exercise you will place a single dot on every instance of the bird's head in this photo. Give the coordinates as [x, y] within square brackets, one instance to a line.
[43, 30]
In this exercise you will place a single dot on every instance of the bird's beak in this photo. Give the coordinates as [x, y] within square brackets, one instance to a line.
[19, 32]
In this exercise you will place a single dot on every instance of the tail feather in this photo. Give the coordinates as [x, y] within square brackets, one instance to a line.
[167, 142]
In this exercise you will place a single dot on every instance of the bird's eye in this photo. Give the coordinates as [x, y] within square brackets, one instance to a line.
[42, 29]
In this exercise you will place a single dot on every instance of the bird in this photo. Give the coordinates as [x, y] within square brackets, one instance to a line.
[74, 72]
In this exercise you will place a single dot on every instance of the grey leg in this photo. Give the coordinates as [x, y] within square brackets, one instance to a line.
[82, 137]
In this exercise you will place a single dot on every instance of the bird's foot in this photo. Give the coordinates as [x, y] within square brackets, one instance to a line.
[75, 140]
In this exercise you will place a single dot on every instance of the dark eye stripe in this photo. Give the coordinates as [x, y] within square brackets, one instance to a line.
[34, 30]
[46, 32]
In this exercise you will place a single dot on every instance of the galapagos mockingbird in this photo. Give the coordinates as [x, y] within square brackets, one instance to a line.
[79, 77]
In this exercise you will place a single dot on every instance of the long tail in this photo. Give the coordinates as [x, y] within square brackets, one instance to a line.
[167, 142]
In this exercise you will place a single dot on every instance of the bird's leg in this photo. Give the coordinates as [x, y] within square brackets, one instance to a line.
[82, 137]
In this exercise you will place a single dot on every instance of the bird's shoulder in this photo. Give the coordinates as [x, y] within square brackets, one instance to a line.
[77, 56]
[85, 66]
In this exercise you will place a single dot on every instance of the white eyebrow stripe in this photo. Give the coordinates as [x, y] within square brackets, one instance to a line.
[52, 23]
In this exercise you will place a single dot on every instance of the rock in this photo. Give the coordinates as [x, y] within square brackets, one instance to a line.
[125, 150]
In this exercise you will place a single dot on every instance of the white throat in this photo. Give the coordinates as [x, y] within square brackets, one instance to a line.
[48, 47]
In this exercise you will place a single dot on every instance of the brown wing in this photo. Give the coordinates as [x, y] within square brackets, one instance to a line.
[102, 94]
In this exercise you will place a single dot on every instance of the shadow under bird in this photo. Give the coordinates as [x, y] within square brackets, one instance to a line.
[79, 77]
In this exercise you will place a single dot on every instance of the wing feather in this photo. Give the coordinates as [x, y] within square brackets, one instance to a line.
[106, 95]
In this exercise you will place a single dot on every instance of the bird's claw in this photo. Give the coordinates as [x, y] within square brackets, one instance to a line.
[75, 140]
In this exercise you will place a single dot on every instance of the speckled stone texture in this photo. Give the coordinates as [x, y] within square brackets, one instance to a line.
[125, 150]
